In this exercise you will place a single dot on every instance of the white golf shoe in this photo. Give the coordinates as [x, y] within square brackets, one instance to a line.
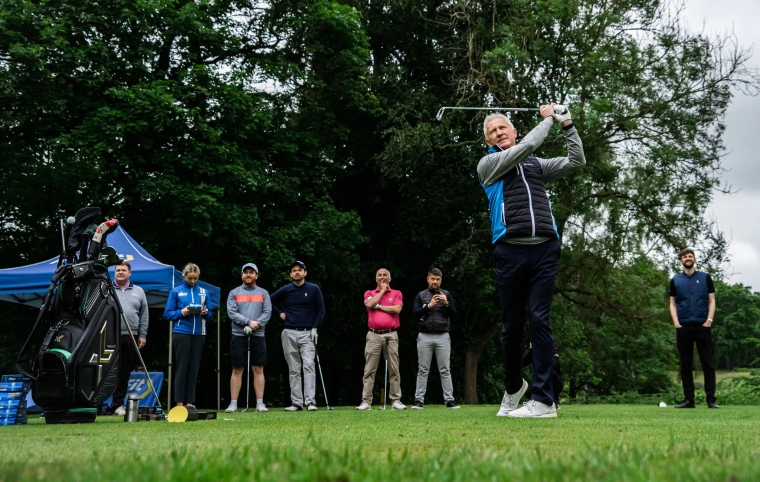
[232, 408]
[261, 408]
[364, 406]
[397, 405]
[509, 402]
[534, 409]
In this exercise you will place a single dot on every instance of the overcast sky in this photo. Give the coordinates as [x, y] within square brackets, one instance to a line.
[738, 215]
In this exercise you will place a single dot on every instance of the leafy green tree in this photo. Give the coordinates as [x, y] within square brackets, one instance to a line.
[737, 326]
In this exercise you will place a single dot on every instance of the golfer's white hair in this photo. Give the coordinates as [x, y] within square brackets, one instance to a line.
[491, 117]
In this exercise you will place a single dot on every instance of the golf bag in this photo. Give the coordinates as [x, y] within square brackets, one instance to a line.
[72, 353]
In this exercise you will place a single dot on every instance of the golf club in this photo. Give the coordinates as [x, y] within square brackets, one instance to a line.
[385, 385]
[99, 237]
[139, 355]
[247, 377]
[322, 377]
[559, 109]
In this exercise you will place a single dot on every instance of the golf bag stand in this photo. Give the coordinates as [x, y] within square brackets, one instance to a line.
[72, 353]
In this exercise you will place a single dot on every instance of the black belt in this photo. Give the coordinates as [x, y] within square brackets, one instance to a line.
[299, 329]
[382, 332]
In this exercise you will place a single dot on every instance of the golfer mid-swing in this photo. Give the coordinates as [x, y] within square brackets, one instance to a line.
[526, 248]
[249, 308]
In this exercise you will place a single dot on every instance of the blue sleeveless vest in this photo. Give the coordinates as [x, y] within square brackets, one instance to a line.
[692, 297]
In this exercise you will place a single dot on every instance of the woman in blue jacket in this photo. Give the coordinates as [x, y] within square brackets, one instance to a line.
[187, 309]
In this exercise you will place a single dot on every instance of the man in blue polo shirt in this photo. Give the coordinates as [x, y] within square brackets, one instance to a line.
[302, 309]
[692, 307]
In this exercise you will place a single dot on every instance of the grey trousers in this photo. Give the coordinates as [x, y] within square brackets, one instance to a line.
[440, 344]
[299, 352]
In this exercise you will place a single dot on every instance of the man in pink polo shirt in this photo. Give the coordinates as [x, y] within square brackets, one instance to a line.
[383, 308]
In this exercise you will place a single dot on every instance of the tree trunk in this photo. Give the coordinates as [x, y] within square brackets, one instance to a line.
[471, 357]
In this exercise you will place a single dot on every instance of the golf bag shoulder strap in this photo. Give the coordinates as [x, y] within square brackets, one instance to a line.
[24, 362]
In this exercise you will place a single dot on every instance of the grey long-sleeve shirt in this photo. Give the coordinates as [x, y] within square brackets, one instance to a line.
[246, 304]
[135, 306]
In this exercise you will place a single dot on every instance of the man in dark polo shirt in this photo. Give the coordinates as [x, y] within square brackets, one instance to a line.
[434, 308]
[302, 309]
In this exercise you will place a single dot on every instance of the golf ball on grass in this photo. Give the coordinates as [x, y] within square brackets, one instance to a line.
[663, 404]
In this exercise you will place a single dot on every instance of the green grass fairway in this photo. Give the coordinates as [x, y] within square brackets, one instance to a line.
[586, 442]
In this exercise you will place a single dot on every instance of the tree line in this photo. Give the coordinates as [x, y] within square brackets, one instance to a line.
[231, 131]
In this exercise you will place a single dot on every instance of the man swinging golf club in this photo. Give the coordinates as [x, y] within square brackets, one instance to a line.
[249, 308]
[526, 248]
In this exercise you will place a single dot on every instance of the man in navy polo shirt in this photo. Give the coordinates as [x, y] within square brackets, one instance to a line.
[692, 307]
[302, 309]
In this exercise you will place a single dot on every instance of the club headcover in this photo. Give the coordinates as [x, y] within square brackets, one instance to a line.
[109, 256]
[83, 219]
[99, 237]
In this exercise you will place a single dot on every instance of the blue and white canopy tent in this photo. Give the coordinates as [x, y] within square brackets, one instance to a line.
[28, 284]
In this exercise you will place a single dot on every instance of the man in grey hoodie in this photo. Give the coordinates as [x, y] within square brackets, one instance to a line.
[249, 308]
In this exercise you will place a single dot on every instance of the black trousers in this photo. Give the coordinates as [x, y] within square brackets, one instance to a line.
[127, 360]
[686, 337]
[187, 359]
[525, 277]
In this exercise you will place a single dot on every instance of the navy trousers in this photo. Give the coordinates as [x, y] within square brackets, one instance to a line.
[525, 277]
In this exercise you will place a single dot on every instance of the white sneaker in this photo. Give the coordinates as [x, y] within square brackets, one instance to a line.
[232, 408]
[364, 406]
[261, 408]
[293, 408]
[509, 402]
[311, 408]
[534, 409]
[120, 411]
[397, 405]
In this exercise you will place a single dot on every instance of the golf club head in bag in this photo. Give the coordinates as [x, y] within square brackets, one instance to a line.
[99, 238]
[78, 238]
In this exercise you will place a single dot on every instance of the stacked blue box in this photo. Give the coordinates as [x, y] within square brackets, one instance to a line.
[13, 390]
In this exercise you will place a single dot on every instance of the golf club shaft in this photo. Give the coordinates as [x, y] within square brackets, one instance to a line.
[385, 398]
[139, 355]
[248, 375]
[321, 377]
[439, 116]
